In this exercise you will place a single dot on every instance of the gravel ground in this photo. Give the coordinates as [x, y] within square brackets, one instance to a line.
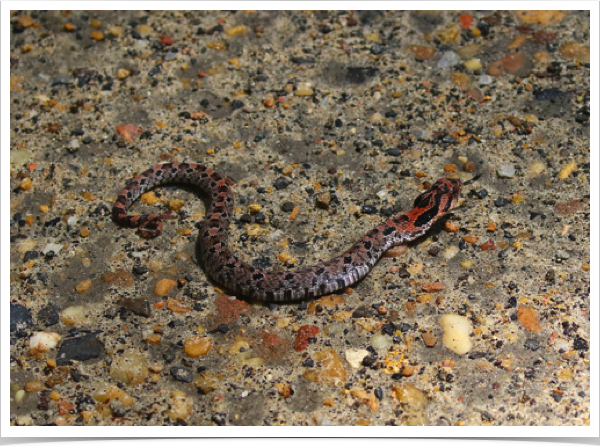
[329, 122]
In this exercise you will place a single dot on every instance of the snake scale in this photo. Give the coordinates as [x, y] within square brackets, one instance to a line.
[283, 286]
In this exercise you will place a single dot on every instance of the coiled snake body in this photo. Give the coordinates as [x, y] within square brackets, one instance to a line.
[246, 280]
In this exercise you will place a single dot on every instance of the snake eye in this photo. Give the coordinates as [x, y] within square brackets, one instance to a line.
[422, 200]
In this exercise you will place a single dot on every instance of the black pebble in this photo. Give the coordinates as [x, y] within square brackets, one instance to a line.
[281, 183]
[501, 202]
[532, 344]
[376, 49]
[288, 206]
[481, 194]
[368, 209]
[308, 362]
[182, 374]
[48, 315]
[141, 307]
[81, 348]
[30, 255]
[581, 344]
[19, 315]
[139, 270]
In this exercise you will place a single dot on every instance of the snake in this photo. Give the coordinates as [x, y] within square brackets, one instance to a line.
[278, 286]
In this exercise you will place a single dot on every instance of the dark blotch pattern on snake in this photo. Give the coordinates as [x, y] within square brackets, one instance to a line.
[243, 279]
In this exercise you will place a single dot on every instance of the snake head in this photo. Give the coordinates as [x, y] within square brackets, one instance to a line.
[440, 198]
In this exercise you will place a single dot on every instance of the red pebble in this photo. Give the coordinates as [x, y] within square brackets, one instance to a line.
[129, 132]
[305, 332]
[465, 21]
[166, 40]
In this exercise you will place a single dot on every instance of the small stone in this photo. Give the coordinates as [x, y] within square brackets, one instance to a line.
[19, 317]
[97, 36]
[532, 344]
[355, 357]
[501, 202]
[562, 254]
[429, 339]
[506, 171]
[43, 342]
[473, 64]
[182, 374]
[323, 200]
[448, 60]
[48, 315]
[536, 169]
[303, 89]
[281, 183]
[329, 370]
[432, 287]
[83, 286]
[180, 405]
[77, 315]
[116, 31]
[144, 30]
[528, 318]
[485, 79]
[141, 307]
[81, 348]
[197, 346]
[239, 29]
[456, 333]
[33, 386]
[129, 132]
[288, 206]
[421, 52]
[130, 367]
[304, 333]
[122, 73]
[380, 341]
[25, 184]
[119, 278]
[413, 402]
[25, 21]
[450, 252]
[163, 287]
[567, 170]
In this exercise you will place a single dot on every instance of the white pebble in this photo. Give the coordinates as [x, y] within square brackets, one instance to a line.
[485, 79]
[506, 171]
[75, 315]
[43, 341]
[355, 357]
[456, 333]
[382, 194]
[380, 341]
[72, 221]
[450, 252]
[54, 247]
[448, 60]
